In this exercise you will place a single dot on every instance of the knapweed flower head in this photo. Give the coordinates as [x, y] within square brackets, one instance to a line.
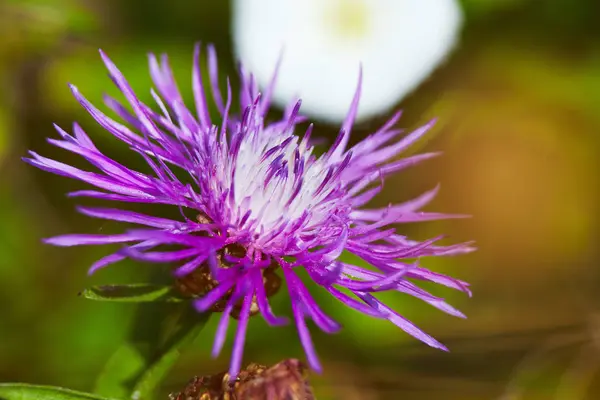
[257, 203]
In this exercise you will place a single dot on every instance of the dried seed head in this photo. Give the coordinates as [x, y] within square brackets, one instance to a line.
[199, 388]
[285, 380]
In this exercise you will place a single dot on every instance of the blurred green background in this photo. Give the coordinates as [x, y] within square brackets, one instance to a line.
[519, 111]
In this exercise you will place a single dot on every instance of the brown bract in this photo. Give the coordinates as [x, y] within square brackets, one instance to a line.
[200, 281]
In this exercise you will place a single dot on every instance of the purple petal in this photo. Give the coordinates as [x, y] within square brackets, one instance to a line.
[303, 332]
[160, 256]
[240, 336]
[190, 266]
[118, 256]
[426, 275]
[407, 162]
[401, 322]
[338, 149]
[357, 305]
[113, 197]
[221, 333]
[323, 321]
[401, 217]
[213, 72]
[395, 149]
[263, 302]
[85, 176]
[198, 88]
[149, 126]
[268, 93]
[89, 239]
[129, 216]
[382, 136]
[206, 302]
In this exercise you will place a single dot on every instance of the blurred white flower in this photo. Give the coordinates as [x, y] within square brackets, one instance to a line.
[398, 42]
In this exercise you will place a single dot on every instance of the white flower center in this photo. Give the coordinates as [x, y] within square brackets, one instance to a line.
[277, 179]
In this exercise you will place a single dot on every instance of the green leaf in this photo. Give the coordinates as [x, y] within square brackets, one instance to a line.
[23, 391]
[134, 293]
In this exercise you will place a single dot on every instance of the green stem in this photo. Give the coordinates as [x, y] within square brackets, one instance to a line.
[191, 325]
[159, 332]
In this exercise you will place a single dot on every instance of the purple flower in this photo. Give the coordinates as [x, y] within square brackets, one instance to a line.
[256, 198]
